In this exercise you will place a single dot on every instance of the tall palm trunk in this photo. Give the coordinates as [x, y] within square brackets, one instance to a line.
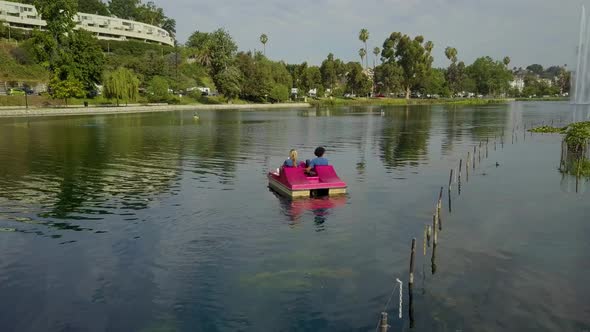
[366, 51]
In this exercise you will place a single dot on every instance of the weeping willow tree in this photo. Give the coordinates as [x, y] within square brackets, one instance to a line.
[121, 84]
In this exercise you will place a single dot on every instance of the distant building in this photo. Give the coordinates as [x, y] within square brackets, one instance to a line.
[517, 83]
[21, 16]
[547, 81]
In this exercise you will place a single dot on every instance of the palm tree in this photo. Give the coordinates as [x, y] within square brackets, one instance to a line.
[506, 61]
[364, 36]
[205, 56]
[264, 40]
[362, 54]
[376, 51]
[451, 54]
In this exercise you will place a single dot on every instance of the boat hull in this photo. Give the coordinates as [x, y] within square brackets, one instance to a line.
[283, 190]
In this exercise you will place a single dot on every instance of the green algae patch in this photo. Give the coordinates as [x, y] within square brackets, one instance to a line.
[548, 130]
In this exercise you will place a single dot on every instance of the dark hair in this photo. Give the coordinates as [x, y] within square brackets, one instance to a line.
[319, 151]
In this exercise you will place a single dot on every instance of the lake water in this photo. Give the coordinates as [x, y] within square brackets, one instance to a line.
[159, 222]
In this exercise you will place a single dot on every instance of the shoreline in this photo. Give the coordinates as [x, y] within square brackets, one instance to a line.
[21, 111]
[42, 112]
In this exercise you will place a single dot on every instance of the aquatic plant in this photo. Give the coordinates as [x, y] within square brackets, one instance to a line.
[575, 157]
[578, 137]
[548, 130]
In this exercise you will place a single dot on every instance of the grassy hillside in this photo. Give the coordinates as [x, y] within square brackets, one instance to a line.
[17, 67]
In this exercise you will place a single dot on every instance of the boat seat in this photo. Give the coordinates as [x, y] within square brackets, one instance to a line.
[327, 174]
[294, 175]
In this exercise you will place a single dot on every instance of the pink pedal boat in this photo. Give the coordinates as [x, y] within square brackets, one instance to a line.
[293, 182]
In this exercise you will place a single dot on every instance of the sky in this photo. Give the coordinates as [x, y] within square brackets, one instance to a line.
[528, 31]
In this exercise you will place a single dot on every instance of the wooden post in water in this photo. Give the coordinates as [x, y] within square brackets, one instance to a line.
[467, 165]
[383, 323]
[433, 259]
[425, 236]
[450, 202]
[479, 155]
[428, 234]
[434, 231]
[451, 180]
[474, 152]
[561, 157]
[439, 209]
[412, 257]
[487, 153]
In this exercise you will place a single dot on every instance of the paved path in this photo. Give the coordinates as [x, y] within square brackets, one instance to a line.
[34, 112]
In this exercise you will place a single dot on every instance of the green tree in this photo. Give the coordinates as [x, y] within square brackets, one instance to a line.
[223, 49]
[121, 84]
[279, 93]
[506, 61]
[362, 54]
[169, 24]
[328, 72]
[198, 39]
[491, 77]
[457, 78]
[69, 54]
[229, 81]
[455, 74]
[311, 78]
[149, 13]
[376, 52]
[124, 9]
[451, 54]
[215, 50]
[158, 89]
[388, 78]
[357, 82]
[264, 40]
[96, 7]
[535, 68]
[59, 15]
[257, 76]
[564, 80]
[413, 56]
[364, 36]
[84, 60]
[436, 84]
[66, 89]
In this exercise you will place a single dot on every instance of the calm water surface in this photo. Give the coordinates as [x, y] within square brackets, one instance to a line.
[158, 222]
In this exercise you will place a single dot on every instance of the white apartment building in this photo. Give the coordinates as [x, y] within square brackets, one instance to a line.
[17, 15]
[517, 83]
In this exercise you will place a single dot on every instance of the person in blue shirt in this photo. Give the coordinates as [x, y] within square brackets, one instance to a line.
[319, 160]
[292, 161]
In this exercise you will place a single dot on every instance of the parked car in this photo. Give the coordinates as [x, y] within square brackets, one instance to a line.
[16, 92]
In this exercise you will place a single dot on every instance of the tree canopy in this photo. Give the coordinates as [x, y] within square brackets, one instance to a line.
[96, 7]
[121, 84]
[413, 56]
